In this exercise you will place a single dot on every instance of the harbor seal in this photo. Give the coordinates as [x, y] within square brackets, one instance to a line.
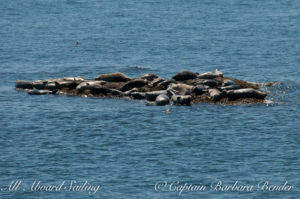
[149, 77]
[151, 96]
[245, 93]
[214, 94]
[210, 75]
[166, 83]
[185, 75]
[135, 83]
[210, 82]
[182, 99]
[22, 84]
[40, 92]
[162, 100]
[113, 77]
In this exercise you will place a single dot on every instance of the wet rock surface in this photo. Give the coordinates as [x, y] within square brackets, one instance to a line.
[184, 88]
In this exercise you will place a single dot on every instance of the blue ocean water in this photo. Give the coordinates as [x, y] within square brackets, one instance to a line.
[125, 146]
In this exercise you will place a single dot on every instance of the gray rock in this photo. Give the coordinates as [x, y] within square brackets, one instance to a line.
[162, 100]
[113, 77]
[22, 84]
[185, 75]
[151, 96]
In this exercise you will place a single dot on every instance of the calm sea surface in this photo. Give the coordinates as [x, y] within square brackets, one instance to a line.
[125, 146]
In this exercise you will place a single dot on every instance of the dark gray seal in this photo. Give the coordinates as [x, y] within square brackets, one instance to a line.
[245, 93]
[185, 75]
[138, 95]
[210, 82]
[22, 84]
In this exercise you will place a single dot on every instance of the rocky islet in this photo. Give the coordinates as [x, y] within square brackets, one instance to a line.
[184, 88]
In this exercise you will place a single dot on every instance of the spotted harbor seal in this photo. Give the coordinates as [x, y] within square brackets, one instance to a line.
[162, 100]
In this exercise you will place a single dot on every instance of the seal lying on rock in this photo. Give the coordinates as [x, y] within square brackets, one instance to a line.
[151, 96]
[182, 99]
[149, 77]
[113, 77]
[156, 81]
[39, 84]
[200, 89]
[166, 83]
[210, 75]
[89, 85]
[230, 87]
[22, 84]
[77, 79]
[135, 83]
[228, 82]
[215, 94]
[183, 89]
[185, 75]
[210, 82]
[180, 89]
[245, 93]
